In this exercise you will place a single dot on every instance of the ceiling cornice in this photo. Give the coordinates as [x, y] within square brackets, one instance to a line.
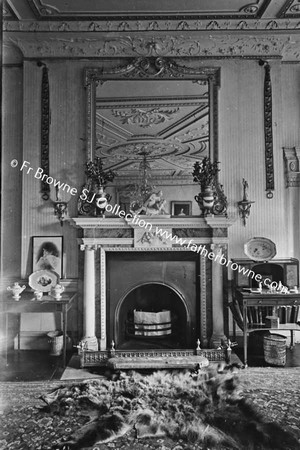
[284, 46]
[274, 25]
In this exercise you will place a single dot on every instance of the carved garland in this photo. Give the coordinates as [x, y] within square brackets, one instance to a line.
[45, 125]
[269, 161]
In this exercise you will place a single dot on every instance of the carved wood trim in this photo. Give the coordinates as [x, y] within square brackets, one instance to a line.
[152, 68]
[45, 127]
[269, 160]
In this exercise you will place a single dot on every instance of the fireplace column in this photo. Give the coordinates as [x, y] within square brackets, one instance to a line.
[217, 298]
[89, 340]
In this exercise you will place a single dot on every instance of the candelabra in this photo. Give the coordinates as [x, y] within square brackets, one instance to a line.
[60, 208]
[245, 204]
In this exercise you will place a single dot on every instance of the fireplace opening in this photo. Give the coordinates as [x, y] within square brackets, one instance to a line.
[152, 315]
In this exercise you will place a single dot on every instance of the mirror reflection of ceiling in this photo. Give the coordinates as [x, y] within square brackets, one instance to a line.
[105, 9]
[165, 120]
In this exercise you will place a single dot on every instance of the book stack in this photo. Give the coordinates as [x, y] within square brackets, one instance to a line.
[265, 316]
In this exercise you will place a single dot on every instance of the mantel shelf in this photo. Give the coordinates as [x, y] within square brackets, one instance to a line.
[162, 221]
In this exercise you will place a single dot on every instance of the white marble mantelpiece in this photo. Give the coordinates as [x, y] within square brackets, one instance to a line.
[162, 220]
[210, 232]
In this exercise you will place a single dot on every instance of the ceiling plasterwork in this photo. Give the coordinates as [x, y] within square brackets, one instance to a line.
[285, 46]
[144, 118]
[151, 25]
[82, 9]
[290, 9]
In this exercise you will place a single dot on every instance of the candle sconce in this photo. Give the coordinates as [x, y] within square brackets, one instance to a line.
[60, 208]
[245, 204]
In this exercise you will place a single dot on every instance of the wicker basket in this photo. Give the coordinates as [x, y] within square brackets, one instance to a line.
[256, 342]
[56, 341]
[275, 349]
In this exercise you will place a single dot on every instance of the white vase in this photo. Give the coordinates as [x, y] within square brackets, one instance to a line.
[57, 291]
[16, 290]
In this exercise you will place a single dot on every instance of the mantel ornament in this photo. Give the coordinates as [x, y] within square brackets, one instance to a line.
[57, 291]
[16, 290]
[93, 198]
[211, 199]
[60, 207]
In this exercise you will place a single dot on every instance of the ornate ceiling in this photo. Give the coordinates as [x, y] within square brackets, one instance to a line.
[103, 9]
[171, 129]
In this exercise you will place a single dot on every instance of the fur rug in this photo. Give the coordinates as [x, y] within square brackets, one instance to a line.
[203, 408]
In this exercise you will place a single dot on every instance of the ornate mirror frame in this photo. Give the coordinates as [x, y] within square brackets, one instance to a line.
[152, 68]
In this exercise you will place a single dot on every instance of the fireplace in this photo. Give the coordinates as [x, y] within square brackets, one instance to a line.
[152, 282]
[172, 287]
[152, 315]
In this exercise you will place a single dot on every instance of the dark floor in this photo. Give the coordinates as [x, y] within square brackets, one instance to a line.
[256, 359]
[36, 365]
[31, 365]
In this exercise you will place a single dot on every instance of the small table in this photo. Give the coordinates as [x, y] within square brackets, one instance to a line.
[247, 299]
[29, 304]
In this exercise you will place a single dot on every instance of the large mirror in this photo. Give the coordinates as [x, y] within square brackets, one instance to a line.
[158, 107]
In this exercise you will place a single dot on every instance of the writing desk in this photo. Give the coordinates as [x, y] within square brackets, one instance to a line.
[29, 304]
[246, 299]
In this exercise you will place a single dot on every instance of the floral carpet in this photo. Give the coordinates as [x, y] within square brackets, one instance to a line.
[273, 392]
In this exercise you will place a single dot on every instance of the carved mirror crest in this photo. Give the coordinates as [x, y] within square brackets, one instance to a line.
[158, 107]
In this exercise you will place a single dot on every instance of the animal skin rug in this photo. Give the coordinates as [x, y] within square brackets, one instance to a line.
[204, 408]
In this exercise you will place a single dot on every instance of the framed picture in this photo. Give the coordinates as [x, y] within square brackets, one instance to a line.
[47, 253]
[183, 208]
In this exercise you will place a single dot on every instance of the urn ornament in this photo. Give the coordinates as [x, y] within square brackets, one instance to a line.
[205, 173]
[101, 202]
[57, 291]
[16, 290]
[93, 199]
[205, 200]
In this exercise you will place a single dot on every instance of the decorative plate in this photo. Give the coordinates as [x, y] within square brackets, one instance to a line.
[260, 249]
[43, 280]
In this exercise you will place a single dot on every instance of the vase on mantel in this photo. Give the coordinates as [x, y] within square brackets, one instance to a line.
[101, 200]
[205, 174]
[205, 200]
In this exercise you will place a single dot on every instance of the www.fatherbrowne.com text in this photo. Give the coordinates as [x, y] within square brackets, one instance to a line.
[190, 244]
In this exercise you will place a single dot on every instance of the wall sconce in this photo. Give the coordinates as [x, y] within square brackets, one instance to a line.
[60, 207]
[245, 204]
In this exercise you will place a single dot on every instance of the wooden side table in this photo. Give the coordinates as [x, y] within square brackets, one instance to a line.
[29, 304]
[275, 300]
